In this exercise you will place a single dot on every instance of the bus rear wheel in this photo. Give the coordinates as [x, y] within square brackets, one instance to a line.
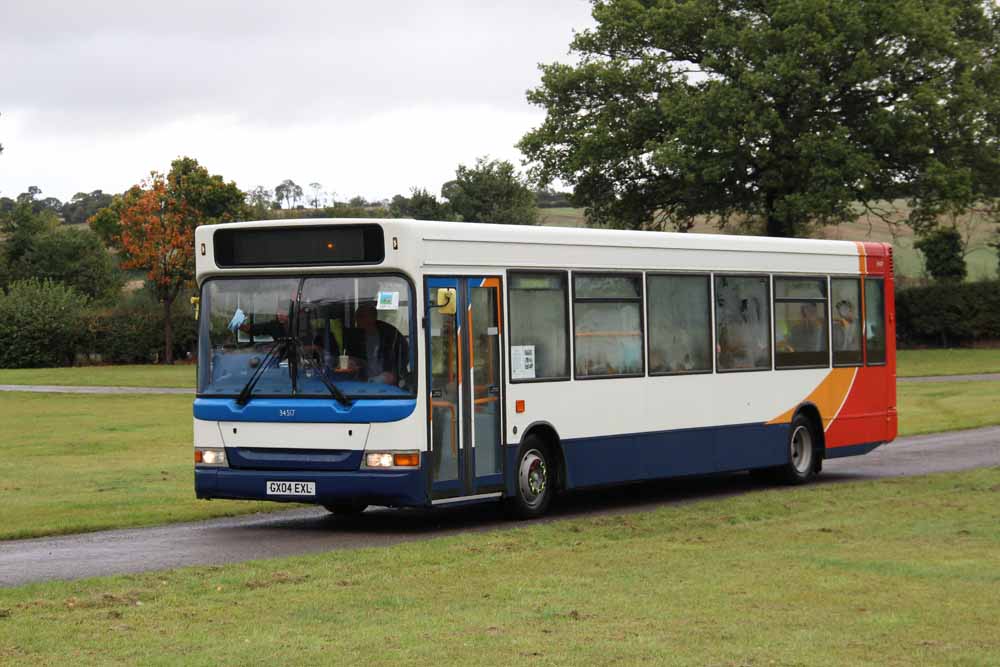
[345, 509]
[803, 452]
[534, 483]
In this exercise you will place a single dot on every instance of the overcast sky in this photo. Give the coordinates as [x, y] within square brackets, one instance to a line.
[366, 98]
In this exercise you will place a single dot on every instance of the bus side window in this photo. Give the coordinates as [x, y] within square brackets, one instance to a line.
[845, 298]
[742, 323]
[607, 325]
[800, 323]
[539, 340]
[874, 321]
[680, 324]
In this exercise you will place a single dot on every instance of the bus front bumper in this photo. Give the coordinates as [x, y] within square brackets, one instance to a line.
[395, 488]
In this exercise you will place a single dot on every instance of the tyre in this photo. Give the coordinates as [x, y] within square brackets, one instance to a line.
[345, 509]
[534, 485]
[803, 452]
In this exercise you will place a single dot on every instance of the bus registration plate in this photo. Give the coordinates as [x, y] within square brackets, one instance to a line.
[291, 488]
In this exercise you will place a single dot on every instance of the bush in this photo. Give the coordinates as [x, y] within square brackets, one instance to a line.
[41, 324]
[131, 331]
[948, 314]
[943, 252]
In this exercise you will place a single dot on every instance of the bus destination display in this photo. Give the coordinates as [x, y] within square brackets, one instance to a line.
[299, 246]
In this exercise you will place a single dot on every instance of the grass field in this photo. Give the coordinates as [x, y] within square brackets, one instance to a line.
[73, 463]
[915, 363]
[947, 406]
[893, 572]
[178, 375]
[78, 463]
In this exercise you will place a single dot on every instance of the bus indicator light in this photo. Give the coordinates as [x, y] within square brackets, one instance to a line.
[519, 406]
[410, 460]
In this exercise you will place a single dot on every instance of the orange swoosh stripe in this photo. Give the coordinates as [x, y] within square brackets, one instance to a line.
[827, 397]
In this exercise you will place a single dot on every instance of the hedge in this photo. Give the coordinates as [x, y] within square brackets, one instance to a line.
[47, 324]
[41, 324]
[948, 314]
[132, 332]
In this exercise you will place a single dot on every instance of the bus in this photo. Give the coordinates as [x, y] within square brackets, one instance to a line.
[407, 363]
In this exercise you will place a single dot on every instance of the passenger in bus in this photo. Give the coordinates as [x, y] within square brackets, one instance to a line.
[806, 334]
[380, 348]
[844, 327]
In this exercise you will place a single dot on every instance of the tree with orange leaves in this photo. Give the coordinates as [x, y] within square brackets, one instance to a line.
[157, 234]
[156, 223]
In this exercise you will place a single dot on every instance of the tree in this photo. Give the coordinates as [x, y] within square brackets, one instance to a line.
[420, 205]
[782, 112]
[157, 234]
[289, 192]
[491, 191]
[260, 201]
[74, 257]
[209, 197]
[83, 205]
[316, 188]
[106, 222]
[944, 253]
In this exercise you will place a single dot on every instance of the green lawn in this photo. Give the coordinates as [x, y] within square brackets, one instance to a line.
[914, 363]
[178, 375]
[947, 406]
[73, 463]
[890, 572]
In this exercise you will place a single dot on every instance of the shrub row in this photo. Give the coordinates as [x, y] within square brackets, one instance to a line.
[45, 323]
[948, 314]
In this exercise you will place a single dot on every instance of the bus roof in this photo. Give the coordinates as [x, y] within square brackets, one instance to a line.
[466, 244]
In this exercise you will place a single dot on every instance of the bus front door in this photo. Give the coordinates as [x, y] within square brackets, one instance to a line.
[465, 368]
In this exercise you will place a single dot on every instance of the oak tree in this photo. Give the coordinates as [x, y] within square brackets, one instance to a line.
[782, 112]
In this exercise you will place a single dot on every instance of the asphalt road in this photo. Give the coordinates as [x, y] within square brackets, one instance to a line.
[304, 531]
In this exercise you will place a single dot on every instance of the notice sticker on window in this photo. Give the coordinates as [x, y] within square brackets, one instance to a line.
[522, 362]
[387, 301]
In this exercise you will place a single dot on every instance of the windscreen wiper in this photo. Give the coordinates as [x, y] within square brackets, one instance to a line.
[277, 350]
[337, 393]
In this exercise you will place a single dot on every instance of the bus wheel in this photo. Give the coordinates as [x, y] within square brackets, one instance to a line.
[802, 452]
[345, 509]
[534, 480]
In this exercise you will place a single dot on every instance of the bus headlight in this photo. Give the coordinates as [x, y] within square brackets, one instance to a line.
[210, 456]
[392, 460]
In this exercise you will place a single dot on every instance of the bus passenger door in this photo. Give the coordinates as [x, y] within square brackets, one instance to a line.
[485, 382]
[464, 385]
[444, 384]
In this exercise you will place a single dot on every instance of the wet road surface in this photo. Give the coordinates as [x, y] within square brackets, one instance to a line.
[303, 531]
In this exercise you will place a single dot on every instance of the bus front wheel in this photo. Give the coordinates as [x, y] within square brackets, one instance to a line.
[534, 483]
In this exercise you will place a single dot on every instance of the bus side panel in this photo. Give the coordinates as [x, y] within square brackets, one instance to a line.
[696, 451]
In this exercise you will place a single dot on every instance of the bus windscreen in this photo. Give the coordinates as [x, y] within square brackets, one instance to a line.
[311, 245]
